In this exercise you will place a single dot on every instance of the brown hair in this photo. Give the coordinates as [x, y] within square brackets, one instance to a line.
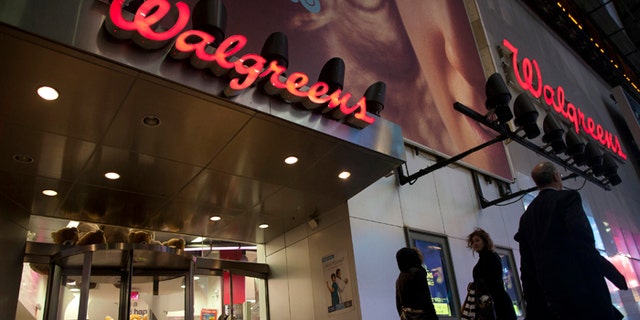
[488, 243]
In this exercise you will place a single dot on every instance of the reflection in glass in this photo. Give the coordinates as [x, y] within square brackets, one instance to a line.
[510, 280]
[213, 296]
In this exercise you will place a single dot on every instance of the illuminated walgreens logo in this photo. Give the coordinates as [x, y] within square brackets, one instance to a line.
[243, 71]
[530, 79]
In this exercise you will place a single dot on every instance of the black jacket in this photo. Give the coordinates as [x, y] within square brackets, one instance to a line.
[412, 289]
[560, 266]
[488, 273]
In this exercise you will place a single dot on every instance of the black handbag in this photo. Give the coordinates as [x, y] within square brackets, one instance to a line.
[413, 314]
[485, 309]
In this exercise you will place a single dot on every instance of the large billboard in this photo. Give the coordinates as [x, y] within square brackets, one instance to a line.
[424, 51]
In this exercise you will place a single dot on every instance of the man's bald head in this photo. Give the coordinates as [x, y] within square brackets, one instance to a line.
[546, 175]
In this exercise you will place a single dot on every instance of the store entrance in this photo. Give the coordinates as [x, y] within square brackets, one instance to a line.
[132, 281]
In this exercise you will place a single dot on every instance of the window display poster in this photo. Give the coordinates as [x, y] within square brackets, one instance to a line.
[436, 277]
[139, 308]
[208, 314]
[339, 297]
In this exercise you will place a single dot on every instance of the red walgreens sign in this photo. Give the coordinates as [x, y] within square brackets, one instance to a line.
[530, 79]
[244, 71]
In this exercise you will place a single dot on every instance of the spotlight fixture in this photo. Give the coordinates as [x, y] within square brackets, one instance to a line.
[610, 169]
[276, 48]
[133, 6]
[553, 133]
[526, 119]
[614, 179]
[498, 97]
[332, 74]
[375, 96]
[575, 147]
[593, 155]
[263, 226]
[210, 16]
[526, 115]
[609, 165]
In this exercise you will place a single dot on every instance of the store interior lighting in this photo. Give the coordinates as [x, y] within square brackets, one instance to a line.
[571, 153]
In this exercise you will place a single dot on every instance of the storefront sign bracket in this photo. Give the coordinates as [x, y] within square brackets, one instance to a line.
[504, 133]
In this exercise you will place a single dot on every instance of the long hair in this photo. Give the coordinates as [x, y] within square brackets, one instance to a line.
[488, 243]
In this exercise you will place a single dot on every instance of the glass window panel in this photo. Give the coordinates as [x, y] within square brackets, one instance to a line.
[33, 291]
[511, 279]
[207, 296]
[156, 297]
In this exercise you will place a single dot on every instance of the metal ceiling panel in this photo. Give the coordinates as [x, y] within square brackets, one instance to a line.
[192, 129]
[90, 94]
[139, 173]
[26, 191]
[53, 155]
[209, 155]
[259, 151]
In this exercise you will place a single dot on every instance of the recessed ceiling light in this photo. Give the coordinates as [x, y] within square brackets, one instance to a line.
[291, 160]
[112, 175]
[215, 218]
[151, 121]
[50, 193]
[263, 226]
[48, 93]
[23, 158]
[344, 175]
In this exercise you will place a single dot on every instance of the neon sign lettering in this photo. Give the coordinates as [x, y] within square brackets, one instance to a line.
[530, 79]
[244, 71]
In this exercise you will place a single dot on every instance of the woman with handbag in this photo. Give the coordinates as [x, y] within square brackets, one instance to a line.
[492, 300]
[413, 299]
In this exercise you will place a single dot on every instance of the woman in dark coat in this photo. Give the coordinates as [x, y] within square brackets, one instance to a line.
[487, 273]
[412, 289]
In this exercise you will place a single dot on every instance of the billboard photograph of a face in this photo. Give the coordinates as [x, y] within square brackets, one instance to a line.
[424, 51]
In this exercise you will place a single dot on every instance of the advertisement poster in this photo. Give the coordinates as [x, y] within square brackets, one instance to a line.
[208, 314]
[338, 295]
[436, 277]
[139, 308]
[424, 51]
